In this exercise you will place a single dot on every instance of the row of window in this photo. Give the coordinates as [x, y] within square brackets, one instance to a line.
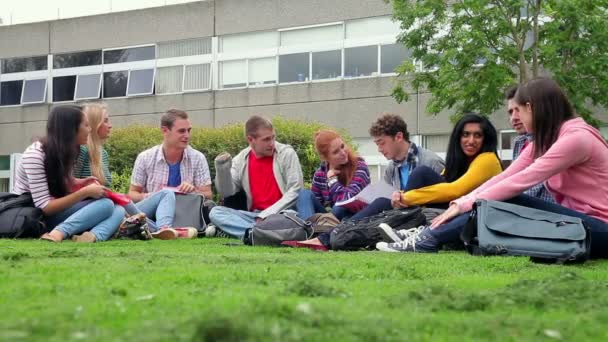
[357, 48]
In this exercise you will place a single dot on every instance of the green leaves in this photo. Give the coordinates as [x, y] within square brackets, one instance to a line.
[469, 51]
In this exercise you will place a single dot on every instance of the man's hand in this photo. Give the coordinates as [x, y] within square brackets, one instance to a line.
[222, 157]
[447, 215]
[396, 200]
[186, 188]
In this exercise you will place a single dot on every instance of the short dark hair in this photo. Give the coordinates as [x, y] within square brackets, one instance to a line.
[510, 92]
[389, 124]
[168, 119]
[550, 109]
[254, 123]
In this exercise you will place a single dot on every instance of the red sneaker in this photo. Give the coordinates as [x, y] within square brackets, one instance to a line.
[186, 232]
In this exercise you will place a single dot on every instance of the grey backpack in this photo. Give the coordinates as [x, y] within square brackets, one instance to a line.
[499, 228]
[276, 228]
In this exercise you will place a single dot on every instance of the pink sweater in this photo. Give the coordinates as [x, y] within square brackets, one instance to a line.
[575, 169]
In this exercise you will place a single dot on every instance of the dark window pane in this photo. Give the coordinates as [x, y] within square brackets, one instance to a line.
[34, 91]
[115, 83]
[392, 56]
[326, 64]
[78, 59]
[293, 68]
[141, 82]
[507, 140]
[360, 61]
[24, 64]
[88, 87]
[10, 93]
[63, 88]
[129, 55]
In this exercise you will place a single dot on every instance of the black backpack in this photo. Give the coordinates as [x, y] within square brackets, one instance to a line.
[364, 233]
[19, 218]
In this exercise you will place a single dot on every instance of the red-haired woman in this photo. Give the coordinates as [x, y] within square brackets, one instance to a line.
[341, 175]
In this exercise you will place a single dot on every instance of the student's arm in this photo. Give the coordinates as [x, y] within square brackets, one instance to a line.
[202, 177]
[204, 190]
[484, 167]
[570, 149]
[360, 180]
[59, 204]
[295, 182]
[227, 173]
[139, 177]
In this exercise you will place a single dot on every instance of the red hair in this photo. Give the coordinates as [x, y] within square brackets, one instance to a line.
[323, 139]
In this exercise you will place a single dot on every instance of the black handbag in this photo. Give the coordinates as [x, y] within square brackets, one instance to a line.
[19, 218]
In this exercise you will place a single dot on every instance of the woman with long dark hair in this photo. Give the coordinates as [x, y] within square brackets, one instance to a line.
[341, 175]
[471, 160]
[71, 206]
[569, 156]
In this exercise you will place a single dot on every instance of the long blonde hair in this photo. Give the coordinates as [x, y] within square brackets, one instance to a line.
[94, 112]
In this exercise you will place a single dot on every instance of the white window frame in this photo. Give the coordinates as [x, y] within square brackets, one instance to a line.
[98, 87]
[103, 51]
[504, 154]
[75, 71]
[151, 92]
[183, 61]
[46, 81]
[184, 90]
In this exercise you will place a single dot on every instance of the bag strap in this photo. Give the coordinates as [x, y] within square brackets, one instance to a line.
[307, 225]
[469, 233]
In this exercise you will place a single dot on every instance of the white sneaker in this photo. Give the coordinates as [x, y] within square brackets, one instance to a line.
[389, 234]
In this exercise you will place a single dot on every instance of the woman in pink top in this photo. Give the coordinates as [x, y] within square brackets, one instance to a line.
[569, 156]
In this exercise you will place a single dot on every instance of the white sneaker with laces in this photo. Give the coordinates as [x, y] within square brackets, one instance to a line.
[390, 234]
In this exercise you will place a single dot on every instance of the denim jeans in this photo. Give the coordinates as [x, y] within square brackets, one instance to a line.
[232, 221]
[101, 217]
[160, 207]
[450, 231]
[308, 204]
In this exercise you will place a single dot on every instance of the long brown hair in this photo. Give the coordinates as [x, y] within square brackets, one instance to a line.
[550, 109]
[94, 112]
[323, 138]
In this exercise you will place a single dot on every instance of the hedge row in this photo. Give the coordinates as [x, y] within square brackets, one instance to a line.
[125, 143]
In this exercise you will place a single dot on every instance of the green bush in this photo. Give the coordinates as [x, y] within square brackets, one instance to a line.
[126, 143]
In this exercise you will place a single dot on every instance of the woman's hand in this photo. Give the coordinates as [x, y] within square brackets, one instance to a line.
[332, 173]
[79, 183]
[396, 200]
[447, 215]
[93, 191]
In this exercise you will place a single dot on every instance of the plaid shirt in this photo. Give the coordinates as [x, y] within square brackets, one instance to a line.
[539, 190]
[151, 170]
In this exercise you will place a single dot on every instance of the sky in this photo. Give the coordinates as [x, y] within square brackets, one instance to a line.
[25, 11]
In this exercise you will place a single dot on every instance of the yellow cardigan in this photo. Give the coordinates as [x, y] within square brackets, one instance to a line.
[483, 167]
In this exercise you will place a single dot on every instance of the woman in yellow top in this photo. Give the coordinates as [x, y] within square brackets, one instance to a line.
[470, 161]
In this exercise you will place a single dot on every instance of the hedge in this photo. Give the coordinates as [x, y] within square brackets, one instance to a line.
[126, 143]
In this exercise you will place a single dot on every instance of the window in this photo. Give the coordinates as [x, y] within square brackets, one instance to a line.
[129, 55]
[197, 77]
[248, 41]
[63, 88]
[233, 74]
[10, 93]
[169, 79]
[370, 27]
[436, 143]
[78, 59]
[307, 36]
[87, 87]
[11, 65]
[262, 71]
[391, 56]
[361, 61]
[115, 83]
[326, 64]
[34, 91]
[140, 82]
[294, 68]
[190, 47]
[507, 138]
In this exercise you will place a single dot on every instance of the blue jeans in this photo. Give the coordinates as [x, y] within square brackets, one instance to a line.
[232, 221]
[450, 232]
[101, 217]
[308, 204]
[159, 207]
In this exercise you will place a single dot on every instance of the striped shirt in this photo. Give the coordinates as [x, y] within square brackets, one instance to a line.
[339, 192]
[82, 168]
[151, 170]
[539, 190]
[31, 176]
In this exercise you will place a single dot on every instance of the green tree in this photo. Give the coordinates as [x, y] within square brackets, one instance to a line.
[467, 52]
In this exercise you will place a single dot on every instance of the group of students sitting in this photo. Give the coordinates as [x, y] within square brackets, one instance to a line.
[560, 165]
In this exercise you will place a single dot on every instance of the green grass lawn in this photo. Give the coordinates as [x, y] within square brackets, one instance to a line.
[203, 290]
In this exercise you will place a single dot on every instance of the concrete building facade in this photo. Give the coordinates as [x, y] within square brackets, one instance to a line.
[221, 61]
